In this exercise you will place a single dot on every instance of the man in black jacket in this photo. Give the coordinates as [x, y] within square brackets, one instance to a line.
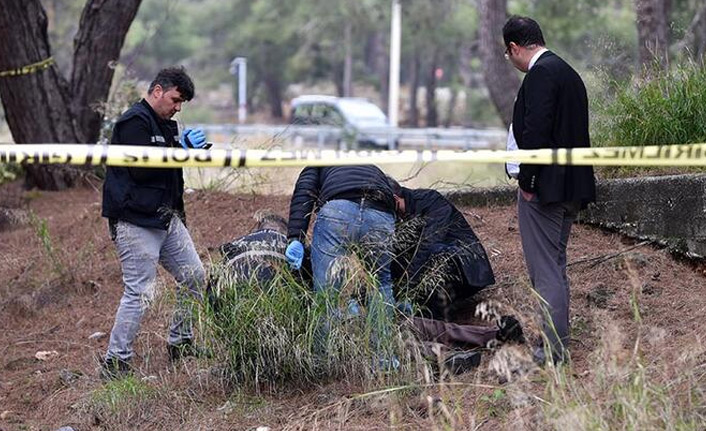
[355, 213]
[551, 111]
[438, 257]
[145, 211]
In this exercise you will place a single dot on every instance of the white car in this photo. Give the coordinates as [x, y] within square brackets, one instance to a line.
[363, 124]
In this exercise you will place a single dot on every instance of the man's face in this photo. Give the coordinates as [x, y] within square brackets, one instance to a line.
[166, 103]
[513, 54]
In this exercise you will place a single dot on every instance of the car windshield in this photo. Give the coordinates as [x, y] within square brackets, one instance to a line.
[360, 112]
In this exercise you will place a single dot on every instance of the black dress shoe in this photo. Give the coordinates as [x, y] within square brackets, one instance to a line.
[462, 362]
[185, 349]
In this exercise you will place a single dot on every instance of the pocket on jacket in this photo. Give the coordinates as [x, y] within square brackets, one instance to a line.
[145, 199]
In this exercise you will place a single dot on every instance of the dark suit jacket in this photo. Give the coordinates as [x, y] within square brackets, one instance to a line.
[551, 111]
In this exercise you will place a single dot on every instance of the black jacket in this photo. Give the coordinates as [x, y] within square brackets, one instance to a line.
[255, 255]
[318, 185]
[440, 229]
[147, 197]
[551, 111]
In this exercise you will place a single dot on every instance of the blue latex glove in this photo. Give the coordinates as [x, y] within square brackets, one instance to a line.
[193, 138]
[295, 254]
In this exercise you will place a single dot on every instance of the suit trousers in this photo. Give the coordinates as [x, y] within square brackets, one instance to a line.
[452, 333]
[544, 230]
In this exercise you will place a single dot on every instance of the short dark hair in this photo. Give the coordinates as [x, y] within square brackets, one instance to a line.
[171, 77]
[522, 30]
[394, 185]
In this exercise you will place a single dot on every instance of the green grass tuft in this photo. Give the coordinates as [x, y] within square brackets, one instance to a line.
[283, 333]
[666, 110]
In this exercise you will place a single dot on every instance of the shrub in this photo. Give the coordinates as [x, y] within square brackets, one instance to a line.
[283, 333]
[123, 401]
[666, 110]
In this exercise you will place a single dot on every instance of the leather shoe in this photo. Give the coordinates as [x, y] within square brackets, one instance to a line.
[462, 362]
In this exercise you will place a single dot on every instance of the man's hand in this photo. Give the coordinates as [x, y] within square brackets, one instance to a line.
[527, 195]
[193, 138]
[295, 254]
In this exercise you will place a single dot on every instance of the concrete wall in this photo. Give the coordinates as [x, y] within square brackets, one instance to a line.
[670, 210]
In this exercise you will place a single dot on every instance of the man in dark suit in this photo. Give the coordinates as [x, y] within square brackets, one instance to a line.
[551, 111]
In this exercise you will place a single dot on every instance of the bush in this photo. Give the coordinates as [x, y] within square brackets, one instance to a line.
[664, 111]
[282, 333]
[128, 400]
[9, 172]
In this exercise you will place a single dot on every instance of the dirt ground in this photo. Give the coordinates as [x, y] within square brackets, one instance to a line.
[63, 284]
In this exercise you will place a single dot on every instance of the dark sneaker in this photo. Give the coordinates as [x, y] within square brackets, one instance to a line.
[462, 362]
[114, 369]
[185, 349]
[510, 330]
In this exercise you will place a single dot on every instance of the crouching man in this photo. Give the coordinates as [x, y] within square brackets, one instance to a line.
[439, 260]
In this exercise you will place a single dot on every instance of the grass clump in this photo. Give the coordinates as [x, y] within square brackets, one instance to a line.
[9, 172]
[666, 110]
[283, 333]
[123, 401]
[626, 391]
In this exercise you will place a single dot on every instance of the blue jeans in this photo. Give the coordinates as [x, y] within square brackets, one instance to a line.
[340, 226]
[140, 250]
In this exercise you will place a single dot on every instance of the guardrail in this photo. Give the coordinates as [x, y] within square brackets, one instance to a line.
[380, 138]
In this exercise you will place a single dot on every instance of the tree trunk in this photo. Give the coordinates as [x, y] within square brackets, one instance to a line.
[413, 86]
[37, 105]
[695, 36]
[430, 84]
[652, 34]
[274, 95]
[500, 76]
[700, 34]
[348, 61]
[41, 106]
[337, 75]
[464, 71]
[102, 30]
[382, 63]
[448, 121]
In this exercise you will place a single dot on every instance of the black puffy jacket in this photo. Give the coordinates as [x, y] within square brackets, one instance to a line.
[146, 197]
[318, 185]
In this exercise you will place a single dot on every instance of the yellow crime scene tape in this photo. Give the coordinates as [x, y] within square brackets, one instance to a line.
[28, 69]
[161, 157]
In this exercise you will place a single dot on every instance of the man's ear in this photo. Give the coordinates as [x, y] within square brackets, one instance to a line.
[157, 91]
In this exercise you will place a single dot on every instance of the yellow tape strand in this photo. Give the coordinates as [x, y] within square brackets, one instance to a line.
[29, 69]
[143, 156]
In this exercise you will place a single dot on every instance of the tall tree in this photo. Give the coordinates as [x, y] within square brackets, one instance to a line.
[268, 34]
[652, 33]
[693, 17]
[435, 31]
[42, 105]
[500, 77]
